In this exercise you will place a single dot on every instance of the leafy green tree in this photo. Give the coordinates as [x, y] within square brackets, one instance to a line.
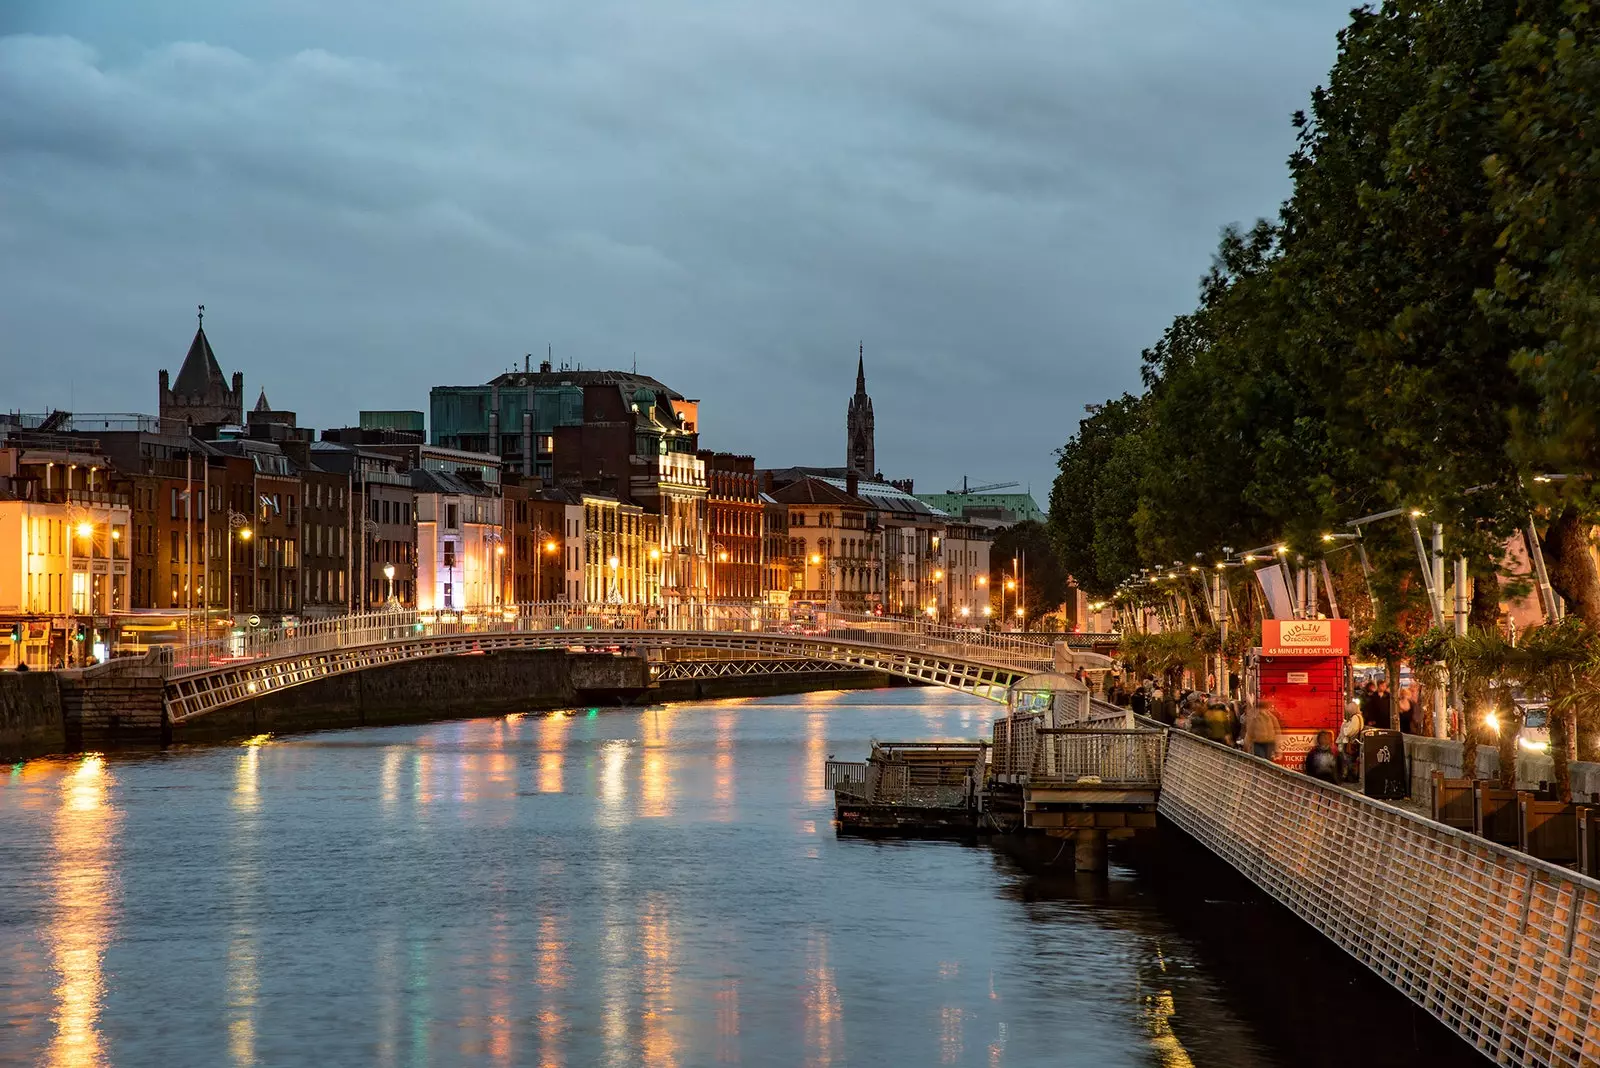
[1044, 580]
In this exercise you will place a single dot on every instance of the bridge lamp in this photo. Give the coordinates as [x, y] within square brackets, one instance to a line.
[499, 550]
[614, 563]
[723, 556]
[938, 576]
[655, 554]
[1019, 613]
[988, 610]
[1011, 584]
[245, 534]
[816, 558]
[388, 572]
[983, 580]
[84, 530]
[549, 546]
[1280, 550]
[965, 611]
[930, 610]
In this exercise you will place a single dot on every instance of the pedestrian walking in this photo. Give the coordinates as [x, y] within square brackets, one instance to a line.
[1261, 729]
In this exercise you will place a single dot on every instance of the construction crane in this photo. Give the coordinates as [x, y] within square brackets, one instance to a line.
[967, 491]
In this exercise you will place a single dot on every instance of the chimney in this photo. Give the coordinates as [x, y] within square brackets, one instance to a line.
[767, 481]
[852, 482]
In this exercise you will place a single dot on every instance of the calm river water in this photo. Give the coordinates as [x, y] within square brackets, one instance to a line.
[621, 887]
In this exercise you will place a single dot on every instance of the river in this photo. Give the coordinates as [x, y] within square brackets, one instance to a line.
[622, 886]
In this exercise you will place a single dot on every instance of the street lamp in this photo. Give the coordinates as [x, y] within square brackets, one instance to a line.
[238, 527]
[720, 553]
[388, 575]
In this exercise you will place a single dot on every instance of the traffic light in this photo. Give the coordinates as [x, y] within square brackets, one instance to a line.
[80, 632]
[16, 632]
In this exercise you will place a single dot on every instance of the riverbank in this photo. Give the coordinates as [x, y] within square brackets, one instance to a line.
[46, 713]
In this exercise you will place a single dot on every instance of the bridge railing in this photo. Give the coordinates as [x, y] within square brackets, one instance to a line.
[618, 623]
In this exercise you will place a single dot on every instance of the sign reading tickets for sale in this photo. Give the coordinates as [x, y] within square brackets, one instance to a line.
[1305, 637]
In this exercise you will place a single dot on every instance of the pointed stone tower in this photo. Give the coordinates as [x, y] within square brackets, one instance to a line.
[860, 453]
[200, 397]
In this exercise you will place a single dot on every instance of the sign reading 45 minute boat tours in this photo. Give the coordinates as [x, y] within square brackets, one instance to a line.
[1305, 637]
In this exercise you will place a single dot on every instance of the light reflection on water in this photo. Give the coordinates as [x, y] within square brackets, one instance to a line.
[84, 913]
[655, 886]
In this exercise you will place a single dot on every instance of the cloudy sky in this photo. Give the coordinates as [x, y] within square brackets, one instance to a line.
[1004, 201]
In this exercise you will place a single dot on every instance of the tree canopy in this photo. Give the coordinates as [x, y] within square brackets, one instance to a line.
[1415, 328]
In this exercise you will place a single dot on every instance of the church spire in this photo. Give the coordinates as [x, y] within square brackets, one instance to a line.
[262, 404]
[860, 454]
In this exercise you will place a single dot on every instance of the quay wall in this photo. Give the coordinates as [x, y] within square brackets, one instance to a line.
[31, 722]
[1424, 756]
[1502, 948]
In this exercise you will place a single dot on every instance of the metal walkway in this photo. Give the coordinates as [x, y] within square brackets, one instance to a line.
[204, 678]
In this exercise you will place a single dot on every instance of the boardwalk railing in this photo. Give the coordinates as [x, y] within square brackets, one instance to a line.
[1504, 949]
[849, 772]
[579, 623]
[1118, 756]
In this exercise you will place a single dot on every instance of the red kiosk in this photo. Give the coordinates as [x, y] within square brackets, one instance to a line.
[1301, 672]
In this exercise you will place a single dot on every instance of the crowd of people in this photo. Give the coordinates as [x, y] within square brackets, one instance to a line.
[1253, 726]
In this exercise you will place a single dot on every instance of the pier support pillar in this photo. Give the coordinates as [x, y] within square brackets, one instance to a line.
[1089, 849]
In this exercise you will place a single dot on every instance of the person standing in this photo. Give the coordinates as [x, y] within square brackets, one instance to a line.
[1261, 729]
[1350, 738]
[1381, 714]
[1322, 762]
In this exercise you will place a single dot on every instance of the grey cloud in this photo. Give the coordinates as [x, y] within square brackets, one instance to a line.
[1005, 201]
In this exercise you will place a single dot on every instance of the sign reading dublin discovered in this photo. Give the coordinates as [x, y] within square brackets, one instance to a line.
[1305, 637]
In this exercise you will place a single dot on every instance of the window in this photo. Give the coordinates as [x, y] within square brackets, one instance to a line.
[452, 515]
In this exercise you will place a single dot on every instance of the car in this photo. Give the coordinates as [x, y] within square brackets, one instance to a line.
[1535, 734]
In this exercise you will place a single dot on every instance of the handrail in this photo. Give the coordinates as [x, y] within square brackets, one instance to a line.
[620, 622]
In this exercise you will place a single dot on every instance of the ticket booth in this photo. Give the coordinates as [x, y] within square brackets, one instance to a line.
[1300, 670]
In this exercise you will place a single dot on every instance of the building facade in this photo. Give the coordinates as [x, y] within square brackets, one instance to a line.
[607, 433]
[535, 540]
[834, 547]
[459, 527]
[735, 520]
[965, 596]
[64, 544]
[776, 581]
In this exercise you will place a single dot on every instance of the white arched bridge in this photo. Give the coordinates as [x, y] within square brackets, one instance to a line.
[202, 678]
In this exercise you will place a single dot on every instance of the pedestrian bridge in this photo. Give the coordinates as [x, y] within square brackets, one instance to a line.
[205, 677]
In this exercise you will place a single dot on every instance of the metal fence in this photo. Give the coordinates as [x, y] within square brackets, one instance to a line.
[1117, 756]
[849, 772]
[1503, 948]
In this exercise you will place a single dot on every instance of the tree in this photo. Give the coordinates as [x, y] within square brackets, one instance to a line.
[1093, 496]
[1044, 580]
